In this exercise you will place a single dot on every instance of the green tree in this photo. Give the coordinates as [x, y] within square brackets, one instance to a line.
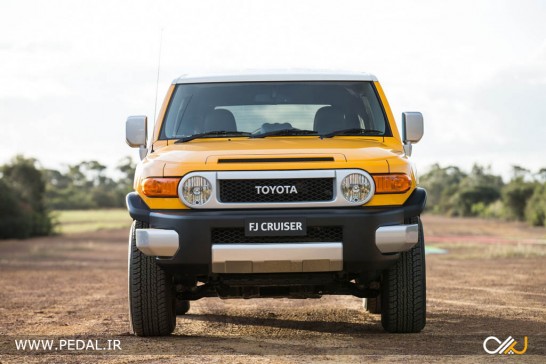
[22, 204]
[15, 221]
[535, 211]
[126, 167]
[477, 190]
[94, 173]
[517, 193]
[69, 190]
[85, 185]
[453, 192]
[541, 175]
[441, 184]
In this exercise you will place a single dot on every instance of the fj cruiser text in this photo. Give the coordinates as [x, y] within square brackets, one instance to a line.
[276, 185]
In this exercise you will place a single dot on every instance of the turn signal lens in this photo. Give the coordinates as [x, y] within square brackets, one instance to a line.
[391, 183]
[160, 187]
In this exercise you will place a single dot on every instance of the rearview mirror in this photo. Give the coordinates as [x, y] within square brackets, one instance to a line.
[136, 133]
[412, 129]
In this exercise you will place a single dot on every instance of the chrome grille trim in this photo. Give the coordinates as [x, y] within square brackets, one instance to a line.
[215, 203]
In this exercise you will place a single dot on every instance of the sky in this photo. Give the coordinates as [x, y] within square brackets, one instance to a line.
[71, 72]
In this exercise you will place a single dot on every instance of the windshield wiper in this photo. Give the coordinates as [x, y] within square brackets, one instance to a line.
[213, 134]
[285, 132]
[354, 131]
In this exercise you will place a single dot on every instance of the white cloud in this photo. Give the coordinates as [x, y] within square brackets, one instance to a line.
[72, 71]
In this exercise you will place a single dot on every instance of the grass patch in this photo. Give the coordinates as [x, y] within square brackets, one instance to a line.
[516, 251]
[80, 221]
[492, 251]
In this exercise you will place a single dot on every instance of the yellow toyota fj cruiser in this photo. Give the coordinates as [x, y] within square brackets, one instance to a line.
[276, 185]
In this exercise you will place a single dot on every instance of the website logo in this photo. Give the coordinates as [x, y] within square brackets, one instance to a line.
[507, 347]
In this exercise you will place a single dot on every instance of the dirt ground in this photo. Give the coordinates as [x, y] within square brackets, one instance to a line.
[490, 280]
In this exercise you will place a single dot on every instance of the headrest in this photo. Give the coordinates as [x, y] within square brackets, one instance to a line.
[329, 119]
[220, 120]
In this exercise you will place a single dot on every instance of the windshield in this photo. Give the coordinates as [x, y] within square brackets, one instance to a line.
[317, 108]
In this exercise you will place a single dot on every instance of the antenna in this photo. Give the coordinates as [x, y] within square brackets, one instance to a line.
[158, 67]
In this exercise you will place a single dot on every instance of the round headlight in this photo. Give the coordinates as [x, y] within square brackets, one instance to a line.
[196, 191]
[357, 188]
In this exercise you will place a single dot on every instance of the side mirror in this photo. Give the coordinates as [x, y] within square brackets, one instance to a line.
[412, 129]
[136, 133]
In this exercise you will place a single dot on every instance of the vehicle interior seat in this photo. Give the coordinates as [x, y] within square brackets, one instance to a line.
[219, 120]
[330, 118]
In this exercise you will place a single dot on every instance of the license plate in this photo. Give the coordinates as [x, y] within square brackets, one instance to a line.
[276, 226]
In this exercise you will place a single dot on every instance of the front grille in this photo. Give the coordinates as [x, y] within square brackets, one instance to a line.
[308, 190]
[315, 234]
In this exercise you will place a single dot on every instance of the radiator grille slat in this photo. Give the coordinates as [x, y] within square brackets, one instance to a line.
[315, 234]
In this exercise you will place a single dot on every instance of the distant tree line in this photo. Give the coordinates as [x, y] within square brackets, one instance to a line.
[453, 192]
[86, 186]
[28, 193]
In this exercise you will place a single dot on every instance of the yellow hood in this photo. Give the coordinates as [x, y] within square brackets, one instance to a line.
[211, 154]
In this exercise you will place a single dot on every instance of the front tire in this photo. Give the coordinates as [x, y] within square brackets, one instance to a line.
[151, 292]
[403, 291]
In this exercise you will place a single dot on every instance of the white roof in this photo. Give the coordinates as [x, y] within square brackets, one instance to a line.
[276, 75]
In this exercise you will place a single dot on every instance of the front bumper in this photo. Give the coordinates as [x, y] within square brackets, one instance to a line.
[371, 238]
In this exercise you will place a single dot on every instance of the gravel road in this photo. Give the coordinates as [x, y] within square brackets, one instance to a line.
[491, 282]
